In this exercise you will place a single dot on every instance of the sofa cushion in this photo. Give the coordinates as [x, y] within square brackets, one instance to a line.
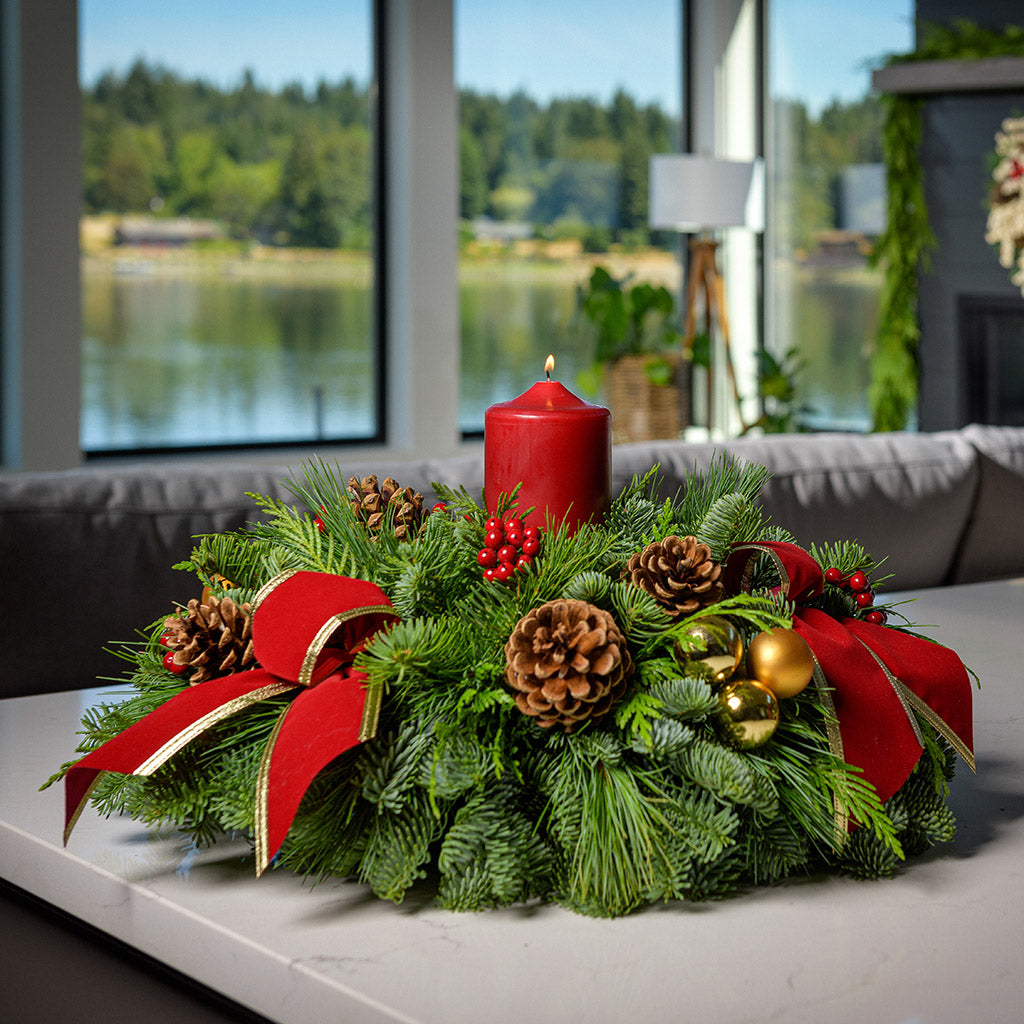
[906, 497]
[98, 544]
[97, 547]
[993, 543]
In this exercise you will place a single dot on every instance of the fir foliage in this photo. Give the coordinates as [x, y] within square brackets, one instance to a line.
[461, 789]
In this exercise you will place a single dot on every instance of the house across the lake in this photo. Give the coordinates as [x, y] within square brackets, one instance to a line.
[166, 232]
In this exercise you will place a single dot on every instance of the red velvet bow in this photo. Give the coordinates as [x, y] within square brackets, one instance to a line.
[873, 676]
[307, 627]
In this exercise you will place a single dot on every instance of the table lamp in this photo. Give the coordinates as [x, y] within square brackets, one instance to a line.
[692, 193]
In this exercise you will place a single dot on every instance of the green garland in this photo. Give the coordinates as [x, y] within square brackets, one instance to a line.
[461, 789]
[907, 241]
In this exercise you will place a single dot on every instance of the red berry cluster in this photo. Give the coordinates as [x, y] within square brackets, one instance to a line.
[860, 587]
[508, 546]
[169, 663]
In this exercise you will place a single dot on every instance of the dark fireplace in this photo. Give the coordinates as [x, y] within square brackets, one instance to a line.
[991, 329]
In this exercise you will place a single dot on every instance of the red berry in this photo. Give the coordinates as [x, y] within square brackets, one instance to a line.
[489, 574]
[864, 598]
[877, 617]
[514, 524]
[494, 523]
[502, 571]
[507, 554]
[531, 545]
[440, 507]
[523, 561]
[531, 531]
[166, 639]
[494, 539]
[319, 524]
[487, 556]
[172, 666]
[833, 575]
[858, 581]
[514, 537]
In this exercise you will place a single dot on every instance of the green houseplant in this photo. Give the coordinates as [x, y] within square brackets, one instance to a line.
[638, 353]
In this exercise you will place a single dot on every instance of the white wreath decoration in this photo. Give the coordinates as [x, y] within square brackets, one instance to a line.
[1005, 226]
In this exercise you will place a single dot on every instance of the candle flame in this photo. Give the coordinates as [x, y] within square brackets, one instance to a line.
[549, 365]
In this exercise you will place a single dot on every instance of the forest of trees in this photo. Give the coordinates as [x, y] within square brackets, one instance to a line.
[294, 167]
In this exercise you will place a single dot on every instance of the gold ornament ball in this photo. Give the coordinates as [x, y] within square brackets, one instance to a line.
[717, 646]
[748, 713]
[781, 659]
[222, 581]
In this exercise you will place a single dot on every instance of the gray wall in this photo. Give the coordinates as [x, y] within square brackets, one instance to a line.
[958, 136]
[984, 13]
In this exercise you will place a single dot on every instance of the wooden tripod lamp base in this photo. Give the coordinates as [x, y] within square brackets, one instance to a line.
[705, 281]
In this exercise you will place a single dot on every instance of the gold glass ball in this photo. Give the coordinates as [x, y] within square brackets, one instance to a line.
[222, 581]
[713, 642]
[748, 713]
[781, 660]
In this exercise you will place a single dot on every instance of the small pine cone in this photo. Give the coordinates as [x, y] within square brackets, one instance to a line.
[370, 499]
[679, 573]
[568, 662]
[213, 637]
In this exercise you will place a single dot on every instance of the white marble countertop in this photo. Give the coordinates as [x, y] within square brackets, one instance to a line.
[939, 943]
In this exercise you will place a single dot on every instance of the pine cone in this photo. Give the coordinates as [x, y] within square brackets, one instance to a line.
[370, 499]
[214, 637]
[568, 661]
[679, 573]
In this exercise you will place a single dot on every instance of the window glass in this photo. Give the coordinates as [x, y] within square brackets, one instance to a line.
[227, 234]
[561, 105]
[826, 202]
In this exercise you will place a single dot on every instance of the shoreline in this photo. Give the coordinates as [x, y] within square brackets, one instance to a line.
[313, 266]
[316, 266]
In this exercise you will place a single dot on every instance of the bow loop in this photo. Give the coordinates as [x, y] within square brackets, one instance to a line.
[801, 576]
[307, 624]
[307, 629]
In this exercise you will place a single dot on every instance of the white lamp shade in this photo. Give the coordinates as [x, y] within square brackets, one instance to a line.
[696, 193]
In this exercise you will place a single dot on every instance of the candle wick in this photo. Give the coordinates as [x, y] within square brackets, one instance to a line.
[547, 374]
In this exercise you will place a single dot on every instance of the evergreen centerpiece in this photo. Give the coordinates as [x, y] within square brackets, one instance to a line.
[584, 730]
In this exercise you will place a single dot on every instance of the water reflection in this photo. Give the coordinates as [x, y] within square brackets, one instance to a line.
[196, 359]
[193, 361]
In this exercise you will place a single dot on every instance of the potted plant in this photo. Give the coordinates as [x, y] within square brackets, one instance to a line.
[638, 352]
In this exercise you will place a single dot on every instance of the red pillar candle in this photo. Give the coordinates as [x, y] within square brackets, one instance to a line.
[554, 444]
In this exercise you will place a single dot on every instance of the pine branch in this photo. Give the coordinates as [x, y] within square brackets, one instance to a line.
[492, 855]
[398, 847]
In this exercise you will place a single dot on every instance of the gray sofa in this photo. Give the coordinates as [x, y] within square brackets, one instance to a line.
[86, 554]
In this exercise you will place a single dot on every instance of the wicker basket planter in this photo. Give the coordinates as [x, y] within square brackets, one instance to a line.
[641, 410]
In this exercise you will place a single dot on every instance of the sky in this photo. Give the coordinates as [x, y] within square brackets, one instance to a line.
[548, 48]
[817, 66]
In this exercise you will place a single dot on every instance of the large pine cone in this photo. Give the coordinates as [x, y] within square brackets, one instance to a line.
[568, 662]
[679, 573]
[370, 499]
[213, 637]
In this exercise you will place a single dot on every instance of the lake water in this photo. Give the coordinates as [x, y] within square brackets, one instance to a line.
[194, 359]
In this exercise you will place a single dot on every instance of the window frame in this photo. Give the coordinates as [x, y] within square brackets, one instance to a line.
[417, 175]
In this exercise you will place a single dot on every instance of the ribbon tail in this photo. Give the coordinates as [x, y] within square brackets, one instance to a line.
[939, 725]
[841, 816]
[150, 742]
[930, 677]
[878, 734]
[321, 723]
